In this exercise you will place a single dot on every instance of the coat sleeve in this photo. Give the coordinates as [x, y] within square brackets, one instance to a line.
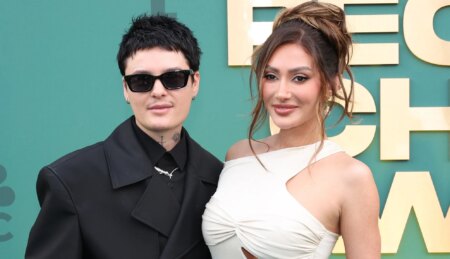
[56, 232]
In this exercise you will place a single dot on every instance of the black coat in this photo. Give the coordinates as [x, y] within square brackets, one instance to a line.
[102, 202]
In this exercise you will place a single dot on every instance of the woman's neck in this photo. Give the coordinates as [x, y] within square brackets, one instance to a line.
[296, 137]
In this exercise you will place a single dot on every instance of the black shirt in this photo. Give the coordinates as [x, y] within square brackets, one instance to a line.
[168, 161]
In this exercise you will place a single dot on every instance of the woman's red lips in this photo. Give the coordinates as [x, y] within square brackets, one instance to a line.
[284, 109]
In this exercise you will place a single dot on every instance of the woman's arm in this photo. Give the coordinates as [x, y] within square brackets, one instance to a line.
[359, 214]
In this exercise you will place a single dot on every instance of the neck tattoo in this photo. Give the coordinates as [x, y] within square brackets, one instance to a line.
[176, 137]
[161, 142]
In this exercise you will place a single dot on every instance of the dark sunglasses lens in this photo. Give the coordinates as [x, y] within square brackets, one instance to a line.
[175, 79]
[140, 83]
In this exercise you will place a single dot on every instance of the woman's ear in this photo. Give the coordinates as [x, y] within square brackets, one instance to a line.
[337, 83]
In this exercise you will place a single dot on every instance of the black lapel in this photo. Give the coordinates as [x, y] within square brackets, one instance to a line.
[187, 230]
[158, 207]
[127, 161]
[129, 164]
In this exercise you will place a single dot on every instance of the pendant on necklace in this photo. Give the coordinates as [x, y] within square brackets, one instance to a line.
[164, 172]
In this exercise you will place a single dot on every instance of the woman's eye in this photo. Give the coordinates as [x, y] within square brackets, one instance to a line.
[299, 78]
[270, 77]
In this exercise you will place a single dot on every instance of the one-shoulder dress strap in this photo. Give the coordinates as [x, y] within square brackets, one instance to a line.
[302, 157]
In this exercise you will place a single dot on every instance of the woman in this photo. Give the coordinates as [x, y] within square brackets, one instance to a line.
[292, 194]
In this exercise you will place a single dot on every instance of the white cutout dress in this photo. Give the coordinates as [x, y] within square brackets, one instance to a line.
[252, 209]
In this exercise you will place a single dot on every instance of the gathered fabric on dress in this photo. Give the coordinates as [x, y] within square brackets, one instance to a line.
[252, 208]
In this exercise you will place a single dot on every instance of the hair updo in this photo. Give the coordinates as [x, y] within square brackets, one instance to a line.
[319, 28]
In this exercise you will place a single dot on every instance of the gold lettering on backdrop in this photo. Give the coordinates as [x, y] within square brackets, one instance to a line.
[355, 138]
[419, 32]
[412, 190]
[244, 33]
[240, 19]
[375, 54]
[373, 23]
[397, 119]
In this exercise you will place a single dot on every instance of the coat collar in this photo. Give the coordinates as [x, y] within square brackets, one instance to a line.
[128, 163]
[157, 208]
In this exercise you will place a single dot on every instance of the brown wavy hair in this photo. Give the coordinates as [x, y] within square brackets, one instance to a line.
[319, 28]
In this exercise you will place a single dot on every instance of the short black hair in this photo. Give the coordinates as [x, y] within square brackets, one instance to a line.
[161, 31]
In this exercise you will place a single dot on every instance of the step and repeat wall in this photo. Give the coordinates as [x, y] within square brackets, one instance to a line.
[60, 90]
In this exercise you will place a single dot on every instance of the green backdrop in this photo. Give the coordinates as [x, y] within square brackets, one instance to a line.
[60, 90]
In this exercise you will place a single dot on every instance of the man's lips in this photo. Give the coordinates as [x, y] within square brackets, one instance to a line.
[160, 108]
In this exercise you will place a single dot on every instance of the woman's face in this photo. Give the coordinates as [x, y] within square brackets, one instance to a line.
[291, 88]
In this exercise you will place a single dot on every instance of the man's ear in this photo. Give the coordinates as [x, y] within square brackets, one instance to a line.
[125, 90]
[195, 84]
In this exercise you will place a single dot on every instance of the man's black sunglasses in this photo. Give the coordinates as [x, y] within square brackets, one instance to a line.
[170, 80]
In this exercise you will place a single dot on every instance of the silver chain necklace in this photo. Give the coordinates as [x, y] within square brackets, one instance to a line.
[164, 172]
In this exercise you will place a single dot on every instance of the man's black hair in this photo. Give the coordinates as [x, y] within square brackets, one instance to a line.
[161, 31]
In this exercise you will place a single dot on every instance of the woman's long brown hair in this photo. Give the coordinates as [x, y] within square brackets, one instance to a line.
[320, 28]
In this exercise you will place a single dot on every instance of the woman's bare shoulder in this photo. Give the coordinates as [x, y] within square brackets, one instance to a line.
[351, 170]
[353, 174]
[242, 149]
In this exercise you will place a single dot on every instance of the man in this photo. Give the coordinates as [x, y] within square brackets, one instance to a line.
[141, 192]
